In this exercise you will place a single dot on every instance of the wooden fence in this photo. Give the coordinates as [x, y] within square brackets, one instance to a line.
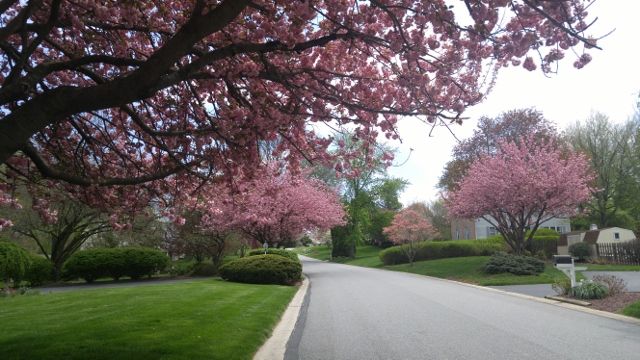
[627, 253]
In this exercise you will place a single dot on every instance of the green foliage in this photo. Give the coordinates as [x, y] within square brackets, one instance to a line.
[343, 240]
[590, 290]
[632, 310]
[286, 253]
[115, 263]
[262, 269]
[429, 250]
[14, 262]
[580, 250]
[562, 285]
[204, 269]
[39, 272]
[181, 267]
[502, 262]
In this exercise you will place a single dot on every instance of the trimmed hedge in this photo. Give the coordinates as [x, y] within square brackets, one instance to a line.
[39, 272]
[262, 269]
[515, 264]
[580, 250]
[431, 250]
[114, 263]
[286, 253]
[14, 262]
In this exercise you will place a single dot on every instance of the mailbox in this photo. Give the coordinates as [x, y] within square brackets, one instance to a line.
[565, 264]
[562, 259]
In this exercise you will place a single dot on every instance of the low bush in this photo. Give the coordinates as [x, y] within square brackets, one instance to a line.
[580, 250]
[590, 290]
[39, 272]
[14, 263]
[204, 269]
[431, 250]
[181, 267]
[115, 263]
[518, 265]
[262, 269]
[614, 284]
[562, 285]
[282, 252]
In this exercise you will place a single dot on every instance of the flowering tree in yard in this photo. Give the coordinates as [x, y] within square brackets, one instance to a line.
[275, 208]
[521, 186]
[408, 227]
[123, 102]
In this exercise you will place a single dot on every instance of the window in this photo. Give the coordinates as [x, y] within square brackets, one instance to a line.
[491, 231]
[616, 236]
[467, 234]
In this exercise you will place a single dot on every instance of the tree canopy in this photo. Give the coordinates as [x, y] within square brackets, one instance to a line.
[126, 101]
[521, 186]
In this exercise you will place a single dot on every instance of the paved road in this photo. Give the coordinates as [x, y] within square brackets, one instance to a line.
[360, 313]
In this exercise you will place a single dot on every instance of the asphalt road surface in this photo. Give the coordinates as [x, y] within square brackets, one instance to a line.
[359, 313]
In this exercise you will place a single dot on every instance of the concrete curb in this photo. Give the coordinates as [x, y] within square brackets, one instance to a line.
[276, 345]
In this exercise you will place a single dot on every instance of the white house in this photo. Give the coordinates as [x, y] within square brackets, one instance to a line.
[482, 229]
[594, 236]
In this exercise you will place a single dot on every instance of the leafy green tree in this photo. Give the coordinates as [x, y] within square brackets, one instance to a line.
[72, 226]
[609, 147]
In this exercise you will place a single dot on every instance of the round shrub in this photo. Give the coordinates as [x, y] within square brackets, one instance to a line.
[590, 290]
[580, 250]
[114, 263]
[204, 269]
[262, 269]
[518, 265]
[39, 272]
[14, 262]
[286, 253]
[139, 262]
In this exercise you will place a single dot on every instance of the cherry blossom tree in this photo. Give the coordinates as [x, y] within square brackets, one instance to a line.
[276, 207]
[510, 125]
[521, 186]
[408, 227]
[121, 102]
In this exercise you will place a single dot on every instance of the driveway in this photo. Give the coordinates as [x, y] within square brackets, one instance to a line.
[361, 313]
[631, 277]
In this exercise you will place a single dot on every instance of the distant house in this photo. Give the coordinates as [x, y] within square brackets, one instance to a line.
[482, 229]
[594, 236]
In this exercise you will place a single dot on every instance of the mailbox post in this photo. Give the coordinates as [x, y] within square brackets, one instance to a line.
[265, 246]
[565, 264]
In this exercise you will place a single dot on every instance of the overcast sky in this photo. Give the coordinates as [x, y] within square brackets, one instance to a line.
[609, 84]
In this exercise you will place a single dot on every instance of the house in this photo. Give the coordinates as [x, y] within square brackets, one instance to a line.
[482, 229]
[594, 236]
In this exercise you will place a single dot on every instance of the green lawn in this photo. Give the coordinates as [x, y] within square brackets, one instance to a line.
[469, 269]
[632, 310]
[466, 269]
[610, 267]
[196, 319]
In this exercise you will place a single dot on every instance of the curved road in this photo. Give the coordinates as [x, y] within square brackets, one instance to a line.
[360, 313]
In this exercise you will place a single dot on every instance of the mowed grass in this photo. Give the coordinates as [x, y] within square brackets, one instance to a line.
[469, 269]
[610, 267]
[200, 319]
[632, 310]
